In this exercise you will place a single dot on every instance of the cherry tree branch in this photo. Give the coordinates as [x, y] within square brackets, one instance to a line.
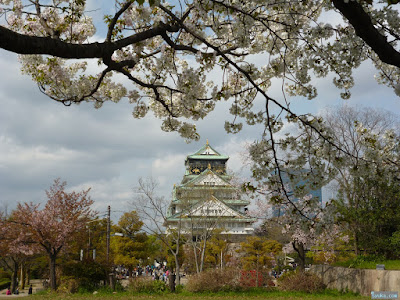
[364, 28]
[26, 44]
[114, 20]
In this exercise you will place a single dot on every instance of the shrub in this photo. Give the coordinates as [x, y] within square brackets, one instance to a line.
[253, 278]
[68, 284]
[300, 282]
[214, 281]
[103, 290]
[82, 275]
[4, 283]
[5, 279]
[5, 274]
[146, 285]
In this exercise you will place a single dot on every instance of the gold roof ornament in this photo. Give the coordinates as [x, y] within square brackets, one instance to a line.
[207, 142]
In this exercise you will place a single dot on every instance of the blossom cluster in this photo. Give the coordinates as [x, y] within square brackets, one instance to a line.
[288, 40]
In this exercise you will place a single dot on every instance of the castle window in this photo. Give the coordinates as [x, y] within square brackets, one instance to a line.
[210, 183]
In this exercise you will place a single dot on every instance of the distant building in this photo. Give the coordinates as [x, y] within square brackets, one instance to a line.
[291, 186]
[206, 200]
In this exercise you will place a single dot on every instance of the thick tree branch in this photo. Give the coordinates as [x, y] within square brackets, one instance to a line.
[362, 24]
[25, 44]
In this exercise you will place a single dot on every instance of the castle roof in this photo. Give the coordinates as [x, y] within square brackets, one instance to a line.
[215, 208]
[207, 152]
[207, 175]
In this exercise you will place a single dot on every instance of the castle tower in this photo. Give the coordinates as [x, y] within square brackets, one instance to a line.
[206, 200]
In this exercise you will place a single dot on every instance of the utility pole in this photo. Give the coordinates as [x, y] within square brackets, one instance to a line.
[111, 275]
[108, 233]
[221, 258]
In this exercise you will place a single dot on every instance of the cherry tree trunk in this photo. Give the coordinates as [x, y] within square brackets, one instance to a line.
[23, 278]
[299, 247]
[53, 282]
[28, 275]
[14, 276]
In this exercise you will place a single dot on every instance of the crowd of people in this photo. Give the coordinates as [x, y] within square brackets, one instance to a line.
[156, 271]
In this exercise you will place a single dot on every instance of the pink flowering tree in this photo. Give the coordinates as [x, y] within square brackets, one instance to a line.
[53, 227]
[299, 224]
[15, 247]
[308, 226]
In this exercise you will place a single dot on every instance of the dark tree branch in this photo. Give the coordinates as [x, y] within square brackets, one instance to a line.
[25, 44]
[362, 24]
[153, 87]
[115, 19]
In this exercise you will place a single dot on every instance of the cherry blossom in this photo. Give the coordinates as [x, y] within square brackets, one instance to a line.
[53, 227]
[168, 53]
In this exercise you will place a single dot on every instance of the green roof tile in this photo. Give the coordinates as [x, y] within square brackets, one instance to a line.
[207, 152]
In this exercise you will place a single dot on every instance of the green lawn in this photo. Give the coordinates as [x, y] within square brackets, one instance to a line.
[272, 295]
[360, 264]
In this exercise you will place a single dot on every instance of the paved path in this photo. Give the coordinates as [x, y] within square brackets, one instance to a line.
[36, 284]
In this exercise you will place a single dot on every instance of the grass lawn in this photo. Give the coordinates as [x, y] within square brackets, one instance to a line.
[272, 295]
[360, 264]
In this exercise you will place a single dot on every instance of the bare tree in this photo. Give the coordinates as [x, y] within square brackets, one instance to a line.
[201, 224]
[343, 123]
[152, 210]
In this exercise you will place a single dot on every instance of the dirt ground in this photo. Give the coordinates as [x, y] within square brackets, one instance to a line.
[36, 285]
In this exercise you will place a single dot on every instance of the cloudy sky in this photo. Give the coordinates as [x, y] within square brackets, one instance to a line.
[108, 150]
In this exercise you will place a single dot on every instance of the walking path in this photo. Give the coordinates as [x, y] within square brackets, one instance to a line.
[36, 285]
